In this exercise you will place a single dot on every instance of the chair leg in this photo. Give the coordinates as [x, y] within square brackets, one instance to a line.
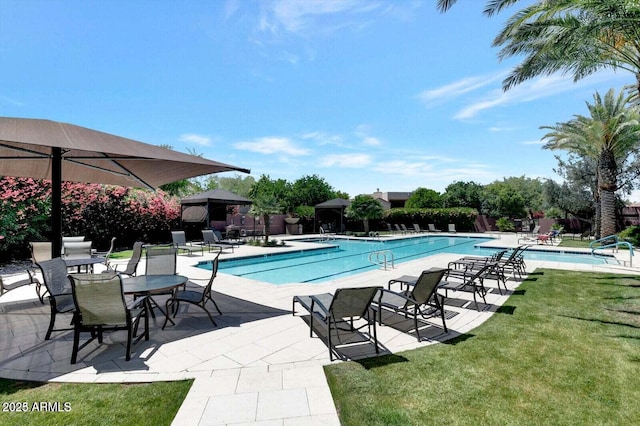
[76, 343]
[168, 304]
[52, 322]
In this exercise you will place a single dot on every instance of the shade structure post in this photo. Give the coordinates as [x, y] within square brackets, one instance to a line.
[56, 202]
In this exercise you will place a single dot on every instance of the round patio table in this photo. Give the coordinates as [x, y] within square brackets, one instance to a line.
[145, 285]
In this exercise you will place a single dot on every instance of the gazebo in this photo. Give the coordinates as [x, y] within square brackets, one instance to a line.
[200, 210]
[332, 212]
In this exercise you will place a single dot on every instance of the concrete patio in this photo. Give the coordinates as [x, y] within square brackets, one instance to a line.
[259, 365]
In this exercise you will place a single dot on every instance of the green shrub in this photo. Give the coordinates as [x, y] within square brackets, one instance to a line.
[505, 225]
[631, 234]
[462, 217]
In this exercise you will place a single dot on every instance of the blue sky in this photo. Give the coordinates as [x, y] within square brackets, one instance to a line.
[366, 94]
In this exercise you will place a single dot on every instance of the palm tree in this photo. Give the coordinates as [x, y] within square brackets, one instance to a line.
[264, 205]
[579, 37]
[364, 207]
[609, 136]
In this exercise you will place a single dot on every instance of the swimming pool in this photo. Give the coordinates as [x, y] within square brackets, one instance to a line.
[344, 257]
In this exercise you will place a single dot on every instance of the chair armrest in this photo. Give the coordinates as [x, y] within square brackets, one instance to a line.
[382, 291]
[137, 303]
[317, 302]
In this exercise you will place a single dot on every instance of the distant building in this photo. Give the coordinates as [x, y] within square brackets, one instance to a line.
[391, 200]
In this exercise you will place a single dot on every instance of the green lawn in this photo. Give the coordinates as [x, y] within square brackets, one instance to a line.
[90, 404]
[565, 349]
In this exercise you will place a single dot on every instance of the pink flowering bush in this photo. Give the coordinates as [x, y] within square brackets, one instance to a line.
[96, 211]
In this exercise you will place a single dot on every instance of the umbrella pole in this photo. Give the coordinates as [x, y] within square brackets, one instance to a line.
[56, 203]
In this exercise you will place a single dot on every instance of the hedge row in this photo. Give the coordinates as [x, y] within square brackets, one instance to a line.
[462, 217]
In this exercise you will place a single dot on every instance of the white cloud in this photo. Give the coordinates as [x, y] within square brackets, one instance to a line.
[301, 16]
[363, 132]
[531, 90]
[324, 139]
[195, 138]
[458, 88]
[273, 145]
[352, 161]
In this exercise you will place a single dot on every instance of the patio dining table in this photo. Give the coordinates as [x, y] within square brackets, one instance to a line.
[146, 285]
[84, 261]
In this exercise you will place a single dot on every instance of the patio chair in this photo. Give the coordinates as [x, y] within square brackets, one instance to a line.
[12, 285]
[452, 228]
[107, 253]
[472, 282]
[195, 297]
[78, 250]
[333, 310]
[432, 228]
[219, 240]
[160, 260]
[405, 229]
[132, 264]
[101, 306]
[417, 228]
[398, 229]
[419, 300]
[54, 274]
[209, 240]
[40, 251]
[180, 241]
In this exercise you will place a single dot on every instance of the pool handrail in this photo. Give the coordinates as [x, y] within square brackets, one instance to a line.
[615, 244]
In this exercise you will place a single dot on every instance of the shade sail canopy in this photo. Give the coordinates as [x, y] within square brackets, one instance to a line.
[93, 157]
[216, 196]
[195, 214]
[45, 149]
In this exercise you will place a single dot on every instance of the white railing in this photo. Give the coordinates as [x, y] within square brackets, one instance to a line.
[382, 258]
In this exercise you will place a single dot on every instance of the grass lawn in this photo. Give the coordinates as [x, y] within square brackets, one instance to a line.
[91, 404]
[565, 349]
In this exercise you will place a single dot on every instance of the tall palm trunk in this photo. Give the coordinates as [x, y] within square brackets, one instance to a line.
[607, 186]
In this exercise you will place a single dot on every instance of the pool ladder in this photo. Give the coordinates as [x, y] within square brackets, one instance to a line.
[382, 258]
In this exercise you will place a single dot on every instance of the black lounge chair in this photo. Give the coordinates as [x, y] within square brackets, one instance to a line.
[195, 297]
[432, 228]
[101, 306]
[210, 240]
[419, 300]
[56, 280]
[333, 310]
[180, 242]
[471, 281]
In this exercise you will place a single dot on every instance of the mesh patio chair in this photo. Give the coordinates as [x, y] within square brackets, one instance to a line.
[419, 300]
[471, 281]
[132, 264]
[160, 260]
[195, 297]
[210, 240]
[54, 274]
[107, 253]
[78, 250]
[219, 240]
[40, 251]
[432, 227]
[180, 242]
[101, 306]
[8, 285]
[332, 311]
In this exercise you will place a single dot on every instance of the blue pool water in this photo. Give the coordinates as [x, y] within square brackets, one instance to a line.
[343, 258]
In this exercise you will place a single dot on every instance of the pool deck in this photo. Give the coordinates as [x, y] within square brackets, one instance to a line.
[258, 366]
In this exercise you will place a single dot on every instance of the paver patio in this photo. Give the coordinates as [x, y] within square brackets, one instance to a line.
[259, 364]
